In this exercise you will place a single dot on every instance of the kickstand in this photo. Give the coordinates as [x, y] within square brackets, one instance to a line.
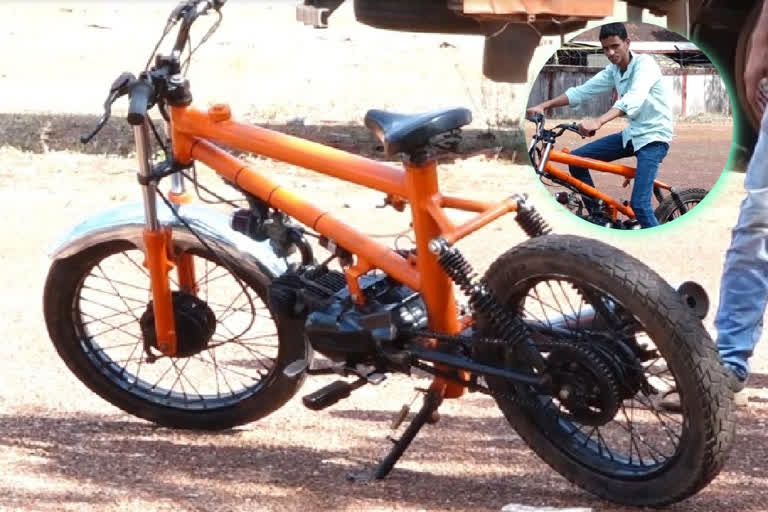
[432, 401]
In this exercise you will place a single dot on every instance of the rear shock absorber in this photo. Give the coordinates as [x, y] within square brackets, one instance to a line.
[507, 326]
[530, 220]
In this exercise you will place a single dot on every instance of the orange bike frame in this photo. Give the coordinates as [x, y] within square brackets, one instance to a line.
[614, 207]
[191, 130]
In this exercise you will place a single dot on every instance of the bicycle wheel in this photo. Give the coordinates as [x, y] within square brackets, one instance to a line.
[228, 370]
[669, 209]
[614, 336]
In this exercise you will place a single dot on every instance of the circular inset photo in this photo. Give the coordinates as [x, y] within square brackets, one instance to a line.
[630, 125]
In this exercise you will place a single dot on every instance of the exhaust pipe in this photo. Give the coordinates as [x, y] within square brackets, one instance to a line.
[692, 293]
[695, 297]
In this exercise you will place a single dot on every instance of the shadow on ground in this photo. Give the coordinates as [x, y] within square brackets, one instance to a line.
[40, 133]
[223, 469]
[160, 464]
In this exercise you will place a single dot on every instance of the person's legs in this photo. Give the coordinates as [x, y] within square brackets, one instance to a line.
[744, 284]
[607, 148]
[649, 158]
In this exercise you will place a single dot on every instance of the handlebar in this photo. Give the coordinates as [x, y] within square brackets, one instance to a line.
[141, 91]
[558, 130]
[141, 94]
[190, 10]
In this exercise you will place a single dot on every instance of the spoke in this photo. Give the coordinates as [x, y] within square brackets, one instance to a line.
[210, 280]
[118, 328]
[192, 384]
[589, 436]
[104, 349]
[206, 282]
[116, 292]
[223, 376]
[138, 371]
[222, 315]
[144, 270]
[535, 317]
[250, 311]
[111, 294]
[642, 440]
[130, 357]
[168, 369]
[101, 319]
[121, 283]
[252, 351]
[140, 267]
[651, 450]
[240, 309]
[600, 440]
[543, 303]
[656, 413]
[565, 296]
[239, 341]
[230, 370]
[178, 378]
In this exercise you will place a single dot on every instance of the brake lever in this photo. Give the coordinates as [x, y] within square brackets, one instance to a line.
[118, 88]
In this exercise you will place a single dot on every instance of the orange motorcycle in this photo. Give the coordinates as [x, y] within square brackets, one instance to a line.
[193, 318]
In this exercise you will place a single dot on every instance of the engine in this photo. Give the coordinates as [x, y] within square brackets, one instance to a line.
[316, 301]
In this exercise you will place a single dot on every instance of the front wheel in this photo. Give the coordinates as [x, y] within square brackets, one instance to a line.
[614, 336]
[228, 368]
[669, 209]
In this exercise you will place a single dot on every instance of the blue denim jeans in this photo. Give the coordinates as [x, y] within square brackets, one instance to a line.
[649, 157]
[744, 284]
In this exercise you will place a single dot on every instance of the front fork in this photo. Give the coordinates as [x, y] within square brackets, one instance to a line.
[158, 244]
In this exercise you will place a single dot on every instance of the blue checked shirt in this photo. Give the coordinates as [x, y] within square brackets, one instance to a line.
[643, 99]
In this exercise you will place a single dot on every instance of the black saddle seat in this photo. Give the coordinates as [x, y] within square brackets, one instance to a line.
[403, 133]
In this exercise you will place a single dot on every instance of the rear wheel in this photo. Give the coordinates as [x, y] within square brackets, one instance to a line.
[615, 336]
[228, 370]
[669, 209]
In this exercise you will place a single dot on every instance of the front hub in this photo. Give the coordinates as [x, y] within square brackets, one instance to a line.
[195, 325]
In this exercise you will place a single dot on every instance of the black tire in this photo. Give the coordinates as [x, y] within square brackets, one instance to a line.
[237, 379]
[651, 312]
[669, 210]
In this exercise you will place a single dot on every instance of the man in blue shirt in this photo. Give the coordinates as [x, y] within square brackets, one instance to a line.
[643, 100]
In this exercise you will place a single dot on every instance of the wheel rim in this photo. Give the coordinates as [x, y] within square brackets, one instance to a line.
[642, 438]
[676, 213]
[239, 361]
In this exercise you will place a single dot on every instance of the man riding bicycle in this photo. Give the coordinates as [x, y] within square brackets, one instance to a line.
[643, 100]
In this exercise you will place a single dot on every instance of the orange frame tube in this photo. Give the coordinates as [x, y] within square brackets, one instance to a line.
[564, 157]
[417, 185]
[158, 264]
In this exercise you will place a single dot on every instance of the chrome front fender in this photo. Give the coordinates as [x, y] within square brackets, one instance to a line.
[127, 223]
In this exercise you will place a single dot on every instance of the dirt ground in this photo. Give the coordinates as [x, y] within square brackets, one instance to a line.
[63, 448]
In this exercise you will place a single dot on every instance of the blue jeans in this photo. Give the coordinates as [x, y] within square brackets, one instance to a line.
[649, 158]
[744, 284]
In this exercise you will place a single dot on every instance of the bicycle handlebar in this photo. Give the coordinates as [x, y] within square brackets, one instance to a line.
[558, 130]
[190, 10]
[141, 95]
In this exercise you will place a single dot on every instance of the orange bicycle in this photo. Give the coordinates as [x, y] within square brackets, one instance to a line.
[608, 212]
[192, 318]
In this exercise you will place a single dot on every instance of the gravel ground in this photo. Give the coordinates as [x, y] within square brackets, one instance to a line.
[63, 448]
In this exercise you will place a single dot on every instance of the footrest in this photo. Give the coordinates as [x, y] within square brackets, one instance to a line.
[328, 395]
